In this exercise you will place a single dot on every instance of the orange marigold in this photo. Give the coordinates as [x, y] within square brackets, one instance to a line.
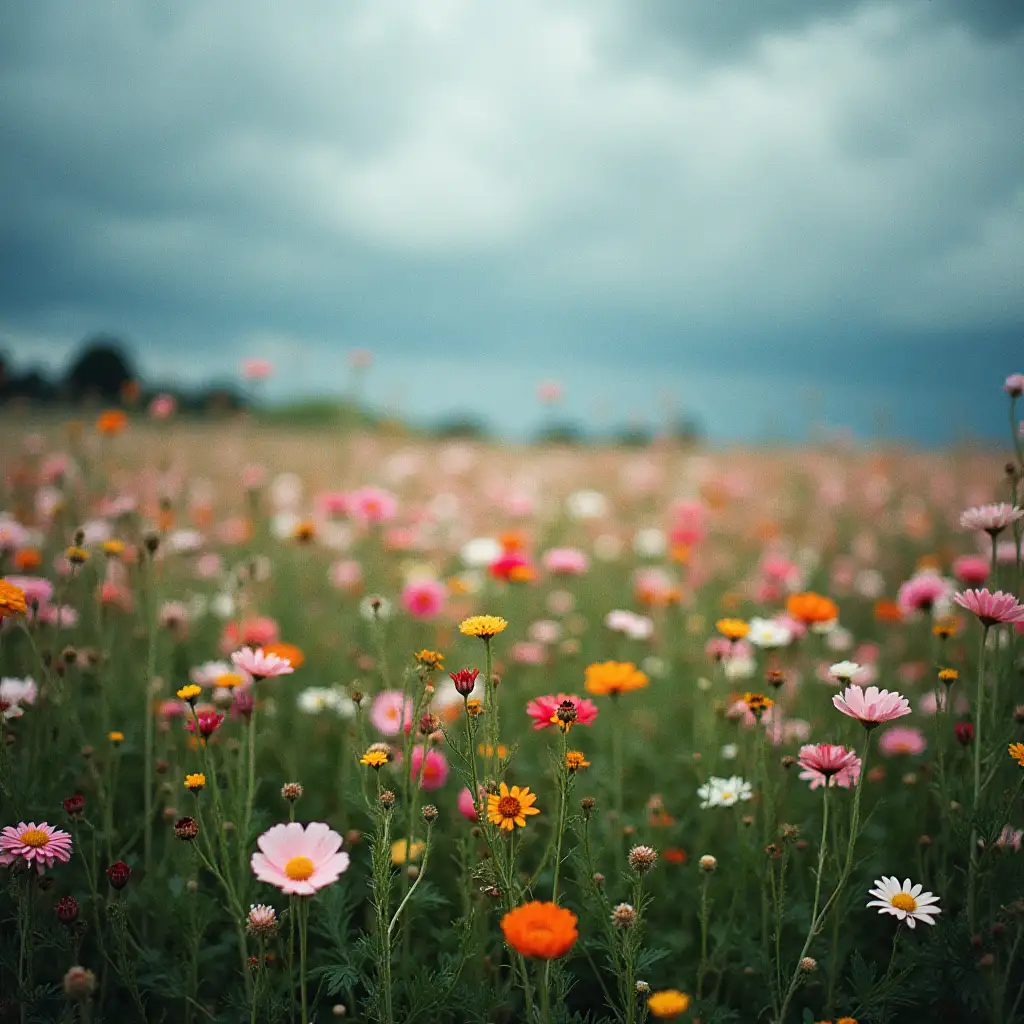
[542, 930]
[289, 651]
[888, 611]
[614, 677]
[734, 629]
[111, 421]
[27, 559]
[12, 600]
[810, 608]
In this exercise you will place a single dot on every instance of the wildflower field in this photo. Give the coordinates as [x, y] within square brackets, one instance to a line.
[303, 726]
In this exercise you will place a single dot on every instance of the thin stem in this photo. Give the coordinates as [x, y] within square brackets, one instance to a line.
[419, 878]
[303, 930]
[972, 870]
[563, 786]
[703, 966]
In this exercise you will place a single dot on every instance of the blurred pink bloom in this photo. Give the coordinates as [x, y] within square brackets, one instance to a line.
[565, 561]
[828, 764]
[525, 653]
[261, 665]
[387, 712]
[542, 709]
[435, 769]
[871, 706]
[549, 392]
[1010, 837]
[902, 740]
[254, 477]
[162, 407]
[63, 616]
[993, 519]
[360, 359]
[257, 369]
[346, 574]
[970, 570]
[372, 505]
[208, 566]
[256, 632]
[424, 599]
[12, 534]
[37, 589]
[935, 699]
[332, 503]
[55, 467]
[922, 591]
[299, 861]
[545, 631]
[465, 803]
[688, 525]
[1014, 385]
[991, 608]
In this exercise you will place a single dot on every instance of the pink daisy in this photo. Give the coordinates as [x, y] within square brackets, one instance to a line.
[902, 740]
[261, 665]
[922, 591]
[40, 844]
[435, 770]
[372, 505]
[993, 519]
[543, 709]
[828, 764]
[991, 609]
[424, 599]
[299, 860]
[387, 712]
[872, 706]
[566, 562]
[970, 570]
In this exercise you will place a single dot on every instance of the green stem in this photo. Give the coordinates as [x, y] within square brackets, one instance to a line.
[303, 930]
[972, 870]
[563, 786]
[703, 966]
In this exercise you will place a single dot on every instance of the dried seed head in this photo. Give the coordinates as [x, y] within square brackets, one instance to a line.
[708, 863]
[387, 799]
[430, 814]
[808, 964]
[642, 858]
[291, 791]
[623, 916]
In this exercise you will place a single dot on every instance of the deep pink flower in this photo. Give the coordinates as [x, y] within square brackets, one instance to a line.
[970, 570]
[993, 519]
[40, 844]
[387, 712]
[372, 505]
[921, 592]
[871, 706]
[298, 860]
[465, 803]
[261, 665]
[435, 769]
[688, 525]
[902, 740]
[37, 590]
[991, 609]
[543, 709]
[827, 763]
[424, 599]
[209, 722]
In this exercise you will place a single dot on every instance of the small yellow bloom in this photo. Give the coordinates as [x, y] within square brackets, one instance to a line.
[734, 629]
[430, 659]
[195, 782]
[575, 760]
[486, 750]
[375, 758]
[1017, 753]
[402, 850]
[948, 675]
[305, 532]
[117, 738]
[758, 703]
[668, 1003]
[189, 692]
[113, 547]
[483, 626]
[474, 706]
[945, 627]
[76, 555]
[228, 680]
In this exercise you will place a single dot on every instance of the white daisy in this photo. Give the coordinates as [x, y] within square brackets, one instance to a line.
[844, 671]
[718, 792]
[905, 902]
[768, 634]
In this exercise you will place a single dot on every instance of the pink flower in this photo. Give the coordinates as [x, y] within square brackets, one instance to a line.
[1010, 837]
[566, 562]
[543, 709]
[333, 503]
[902, 740]
[253, 477]
[257, 369]
[921, 592]
[346, 574]
[1014, 385]
[524, 653]
[435, 769]
[372, 505]
[828, 764]
[688, 527]
[40, 844]
[387, 712]
[466, 806]
[993, 519]
[991, 609]
[37, 589]
[871, 706]
[261, 665]
[298, 860]
[549, 391]
[970, 570]
[255, 632]
[424, 599]
[162, 407]
[61, 616]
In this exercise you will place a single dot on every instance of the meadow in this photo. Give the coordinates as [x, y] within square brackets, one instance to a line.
[304, 725]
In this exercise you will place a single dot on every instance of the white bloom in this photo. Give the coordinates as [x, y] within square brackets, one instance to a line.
[382, 611]
[15, 692]
[729, 751]
[286, 491]
[283, 525]
[314, 700]
[869, 583]
[844, 671]
[184, 541]
[587, 505]
[12, 533]
[223, 606]
[718, 792]
[654, 667]
[738, 669]
[839, 640]
[649, 543]
[768, 634]
[905, 902]
[480, 552]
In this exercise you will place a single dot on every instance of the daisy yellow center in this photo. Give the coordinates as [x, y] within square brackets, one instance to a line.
[728, 794]
[298, 869]
[904, 901]
[509, 807]
[34, 837]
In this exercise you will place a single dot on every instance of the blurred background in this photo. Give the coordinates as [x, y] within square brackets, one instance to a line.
[741, 222]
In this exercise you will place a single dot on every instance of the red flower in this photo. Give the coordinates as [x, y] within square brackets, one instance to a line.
[964, 733]
[67, 909]
[465, 680]
[209, 722]
[118, 874]
[75, 805]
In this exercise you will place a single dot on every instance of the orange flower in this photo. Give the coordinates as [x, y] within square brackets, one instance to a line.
[614, 677]
[543, 930]
[27, 559]
[810, 608]
[888, 612]
[674, 855]
[512, 540]
[522, 574]
[734, 629]
[305, 532]
[12, 600]
[111, 421]
[289, 651]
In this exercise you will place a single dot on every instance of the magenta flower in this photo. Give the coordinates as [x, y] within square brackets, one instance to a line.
[922, 591]
[828, 764]
[40, 844]
[261, 665]
[991, 609]
[542, 709]
[435, 769]
[387, 712]
[970, 570]
[902, 740]
[298, 860]
[372, 505]
[993, 519]
[465, 804]
[872, 706]
[424, 599]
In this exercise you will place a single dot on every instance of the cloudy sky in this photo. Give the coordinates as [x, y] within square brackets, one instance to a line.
[754, 211]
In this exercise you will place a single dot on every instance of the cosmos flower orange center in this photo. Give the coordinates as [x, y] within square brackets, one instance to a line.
[298, 869]
[34, 837]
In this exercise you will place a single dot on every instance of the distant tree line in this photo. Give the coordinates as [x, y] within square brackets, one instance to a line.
[101, 374]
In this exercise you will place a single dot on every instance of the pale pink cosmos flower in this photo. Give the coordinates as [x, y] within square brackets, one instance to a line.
[261, 665]
[30, 843]
[435, 769]
[872, 706]
[991, 609]
[828, 764]
[387, 712]
[299, 861]
[424, 598]
[902, 740]
[18, 691]
[565, 562]
[542, 709]
[372, 505]
[1014, 385]
[993, 519]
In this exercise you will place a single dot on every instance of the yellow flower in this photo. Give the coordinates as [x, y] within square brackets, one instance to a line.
[734, 629]
[195, 782]
[430, 659]
[948, 675]
[474, 706]
[483, 626]
[576, 759]
[12, 600]
[114, 547]
[1017, 753]
[668, 1003]
[509, 807]
[945, 627]
[76, 555]
[758, 703]
[402, 850]
[614, 677]
[227, 680]
[375, 758]
[189, 692]
[486, 750]
[117, 738]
